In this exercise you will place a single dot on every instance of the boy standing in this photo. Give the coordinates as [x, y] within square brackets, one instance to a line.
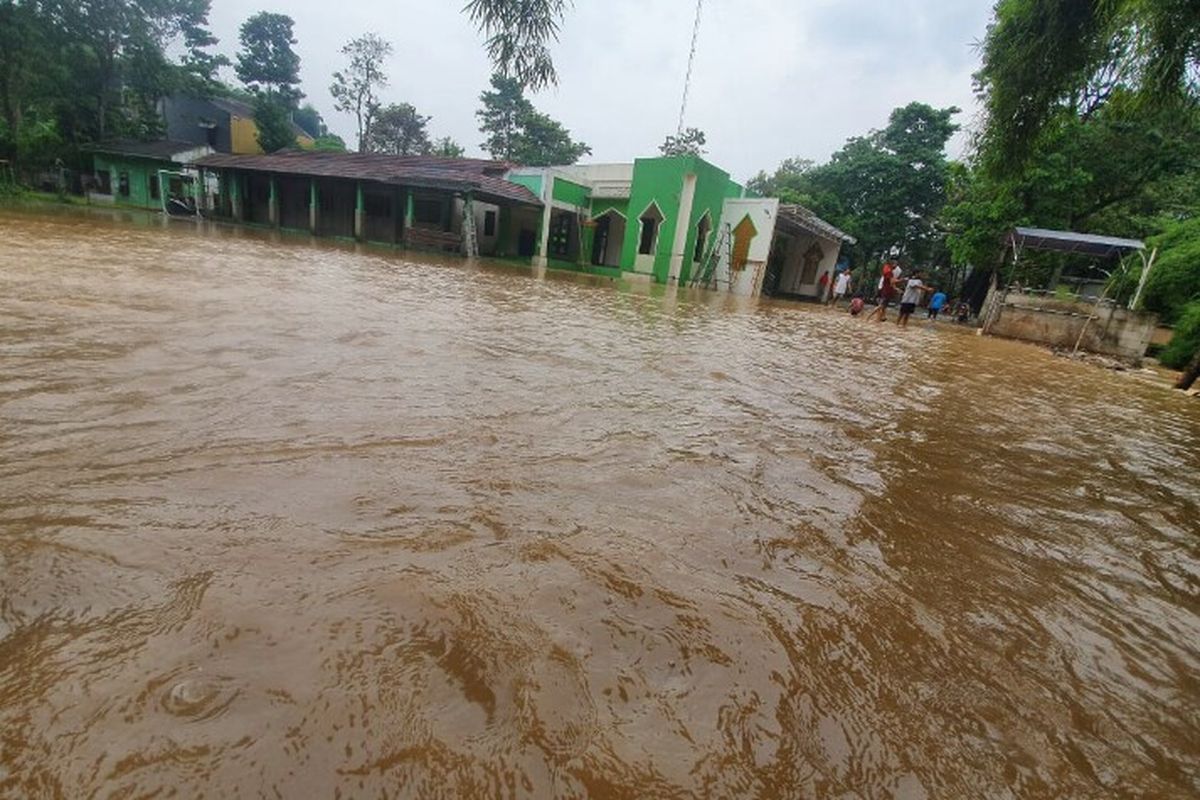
[841, 287]
[913, 292]
[935, 304]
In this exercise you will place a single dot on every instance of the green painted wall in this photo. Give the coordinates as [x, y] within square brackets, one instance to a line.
[660, 180]
[140, 172]
[713, 186]
[571, 193]
[531, 182]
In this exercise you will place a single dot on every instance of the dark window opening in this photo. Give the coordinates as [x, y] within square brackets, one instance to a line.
[560, 236]
[104, 181]
[649, 234]
[427, 211]
[123, 183]
[701, 239]
[489, 223]
[377, 205]
[153, 181]
[600, 240]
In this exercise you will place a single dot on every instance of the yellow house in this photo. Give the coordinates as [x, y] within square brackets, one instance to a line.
[224, 124]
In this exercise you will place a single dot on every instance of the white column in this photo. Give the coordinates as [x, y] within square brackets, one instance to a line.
[543, 256]
[683, 224]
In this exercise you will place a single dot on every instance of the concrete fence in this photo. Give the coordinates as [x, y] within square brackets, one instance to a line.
[1057, 323]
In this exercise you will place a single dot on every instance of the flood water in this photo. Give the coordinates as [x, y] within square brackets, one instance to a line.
[285, 519]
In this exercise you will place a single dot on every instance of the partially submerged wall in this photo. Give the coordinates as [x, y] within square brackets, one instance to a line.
[1056, 323]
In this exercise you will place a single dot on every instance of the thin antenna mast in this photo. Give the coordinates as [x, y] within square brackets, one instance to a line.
[687, 82]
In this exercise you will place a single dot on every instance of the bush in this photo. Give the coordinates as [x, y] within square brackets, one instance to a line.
[1175, 281]
[1186, 341]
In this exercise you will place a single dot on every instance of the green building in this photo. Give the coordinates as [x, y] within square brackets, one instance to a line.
[146, 174]
[678, 220]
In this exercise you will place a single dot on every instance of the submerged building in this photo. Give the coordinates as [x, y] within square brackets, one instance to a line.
[670, 220]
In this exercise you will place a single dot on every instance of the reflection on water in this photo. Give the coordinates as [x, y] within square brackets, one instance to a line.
[290, 520]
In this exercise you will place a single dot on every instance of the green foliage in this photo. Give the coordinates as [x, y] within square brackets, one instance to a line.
[446, 147]
[886, 188]
[274, 124]
[1174, 280]
[330, 143]
[1043, 55]
[1185, 343]
[518, 33]
[400, 131]
[518, 132]
[1107, 174]
[354, 89]
[689, 142]
[267, 63]
[310, 120]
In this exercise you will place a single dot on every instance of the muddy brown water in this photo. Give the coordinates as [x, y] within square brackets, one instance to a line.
[285, 519]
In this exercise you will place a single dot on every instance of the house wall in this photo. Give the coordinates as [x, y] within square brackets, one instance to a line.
[661, 180]
[793, 270]
[184, 116]
[571, 193]
[243, 133]
[763, 214]
[141, 172]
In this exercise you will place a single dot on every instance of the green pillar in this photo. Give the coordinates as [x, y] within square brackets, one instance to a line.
[360, 211]
[273, 203]
[313, 207]
[408, 211]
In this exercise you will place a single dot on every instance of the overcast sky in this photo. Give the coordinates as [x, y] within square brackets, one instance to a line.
[772, 79]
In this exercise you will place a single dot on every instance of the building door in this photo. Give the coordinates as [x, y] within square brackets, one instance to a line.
[600, 240]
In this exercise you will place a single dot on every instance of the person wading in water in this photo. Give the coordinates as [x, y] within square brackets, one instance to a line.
[887, 291]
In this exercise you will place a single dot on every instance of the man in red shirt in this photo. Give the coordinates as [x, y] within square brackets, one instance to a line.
[887, 292]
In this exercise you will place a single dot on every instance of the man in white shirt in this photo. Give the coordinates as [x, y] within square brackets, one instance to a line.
[914, 290]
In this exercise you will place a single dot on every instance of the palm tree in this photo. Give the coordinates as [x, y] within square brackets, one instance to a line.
[518, 34]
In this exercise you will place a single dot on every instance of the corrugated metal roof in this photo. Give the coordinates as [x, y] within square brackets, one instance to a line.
[454, 174]
[806, 220]
[163, 149]
[1071, 242]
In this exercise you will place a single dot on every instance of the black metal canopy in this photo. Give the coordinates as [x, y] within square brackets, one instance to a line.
[1071, 242]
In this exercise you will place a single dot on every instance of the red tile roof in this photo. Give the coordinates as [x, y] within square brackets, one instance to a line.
[483, 178]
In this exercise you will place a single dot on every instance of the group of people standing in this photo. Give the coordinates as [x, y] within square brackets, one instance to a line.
[891, 284]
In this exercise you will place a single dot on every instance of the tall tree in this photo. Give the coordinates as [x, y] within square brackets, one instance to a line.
[516, 131]
[518, 34]
[544, 142]
[887, 187]
[267, 63]
[689, 142]
[355, 89]
[399, 130]
[501, 116]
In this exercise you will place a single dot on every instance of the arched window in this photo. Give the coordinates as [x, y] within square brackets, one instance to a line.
[812, 261]
[651, 221]
[702, 231]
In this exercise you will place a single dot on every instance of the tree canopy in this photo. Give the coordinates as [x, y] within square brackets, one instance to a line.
[886, 187]
[400, 131]
[355, 89]
[518, 132]
[1040, 56]
[267, 62]
[689, 142]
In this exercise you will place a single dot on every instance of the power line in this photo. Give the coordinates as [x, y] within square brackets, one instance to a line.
[687, 81]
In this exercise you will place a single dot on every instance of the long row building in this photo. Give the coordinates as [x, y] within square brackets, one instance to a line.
[670, 220]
